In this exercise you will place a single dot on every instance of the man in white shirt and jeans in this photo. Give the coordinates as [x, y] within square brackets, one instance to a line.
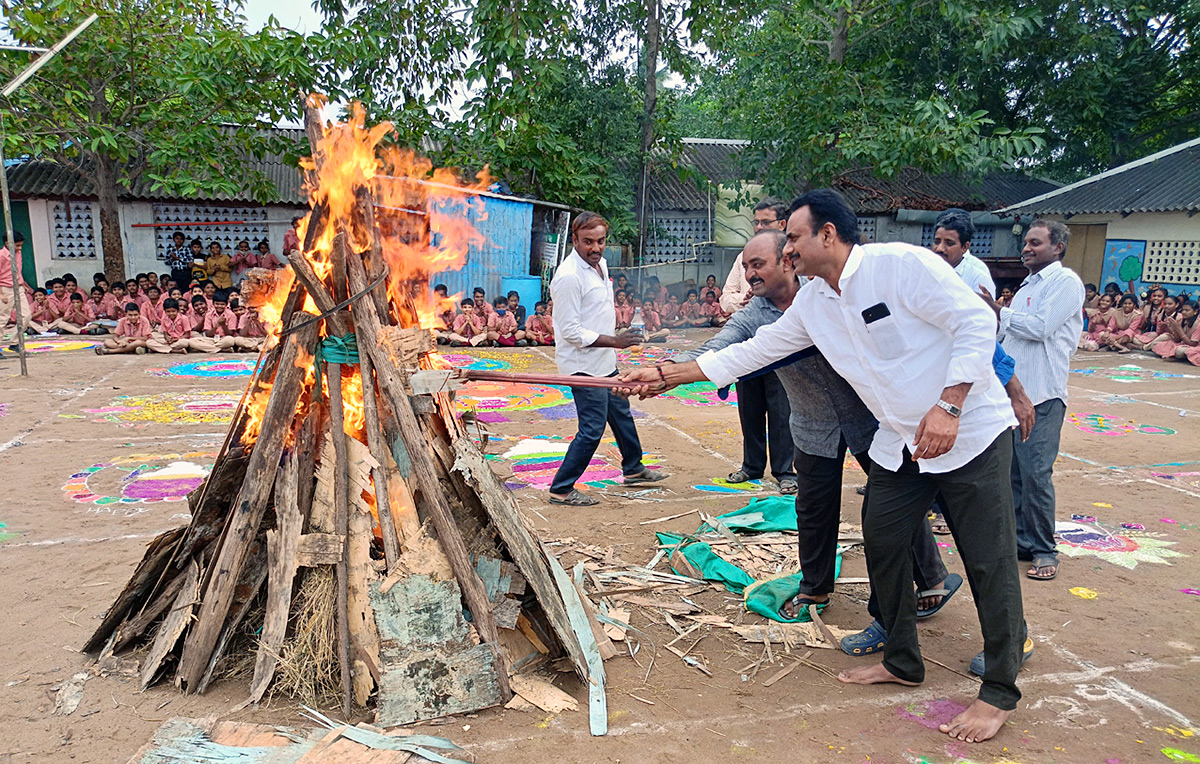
[916, 345]
[1041, 331]
[585, 342]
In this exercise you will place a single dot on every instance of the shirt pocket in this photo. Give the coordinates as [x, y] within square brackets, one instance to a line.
[886, 338]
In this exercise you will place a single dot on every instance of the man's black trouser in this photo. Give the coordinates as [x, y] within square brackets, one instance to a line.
[764, 412]
[978, 499]
[818, 512]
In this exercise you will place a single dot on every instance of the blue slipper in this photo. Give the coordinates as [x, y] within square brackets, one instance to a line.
[977, 664]
[870, 640]
[949, 587]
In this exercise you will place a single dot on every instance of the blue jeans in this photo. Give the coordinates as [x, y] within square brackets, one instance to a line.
[596, 407]
[1032, 481]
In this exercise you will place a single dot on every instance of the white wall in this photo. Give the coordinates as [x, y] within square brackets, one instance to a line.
[138, 242]
[43, 242]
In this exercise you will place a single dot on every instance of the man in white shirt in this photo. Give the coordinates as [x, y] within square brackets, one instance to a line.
[585, 342]
[916, 345]
[1041, 331]
[952, 240]
[763, 408]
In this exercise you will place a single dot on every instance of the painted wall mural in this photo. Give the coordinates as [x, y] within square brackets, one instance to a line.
[1123, 260]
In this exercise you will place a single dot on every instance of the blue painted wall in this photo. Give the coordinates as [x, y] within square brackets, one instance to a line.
[506, 227]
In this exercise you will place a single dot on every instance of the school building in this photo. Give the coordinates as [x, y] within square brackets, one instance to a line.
[1134, 223]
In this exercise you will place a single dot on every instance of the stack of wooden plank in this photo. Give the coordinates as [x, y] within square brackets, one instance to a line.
[441, 590]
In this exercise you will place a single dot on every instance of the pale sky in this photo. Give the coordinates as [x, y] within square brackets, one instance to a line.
[293, 14]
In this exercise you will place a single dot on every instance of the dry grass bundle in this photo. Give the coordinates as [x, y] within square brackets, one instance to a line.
[308, 666]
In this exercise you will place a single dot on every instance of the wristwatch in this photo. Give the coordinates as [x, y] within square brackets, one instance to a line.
[949, 408]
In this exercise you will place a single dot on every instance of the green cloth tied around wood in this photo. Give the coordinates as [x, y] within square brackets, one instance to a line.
[766, 596]
[342, 350]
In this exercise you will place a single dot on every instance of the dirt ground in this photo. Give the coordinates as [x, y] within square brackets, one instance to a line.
[1114, 677]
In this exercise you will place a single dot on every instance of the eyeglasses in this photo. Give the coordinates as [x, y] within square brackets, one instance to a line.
[765, 223]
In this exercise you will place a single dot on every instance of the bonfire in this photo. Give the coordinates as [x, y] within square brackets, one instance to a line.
[350, 542]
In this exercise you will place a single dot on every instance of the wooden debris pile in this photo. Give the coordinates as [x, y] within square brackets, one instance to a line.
[350, 537]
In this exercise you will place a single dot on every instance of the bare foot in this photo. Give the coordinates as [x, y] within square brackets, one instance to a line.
[876, 674]
[981, 721]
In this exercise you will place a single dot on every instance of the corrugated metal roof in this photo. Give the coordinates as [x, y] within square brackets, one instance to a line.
[43, 178]
[1168, 181]
[717, 161]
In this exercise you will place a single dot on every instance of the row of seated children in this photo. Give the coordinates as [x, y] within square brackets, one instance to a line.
[1165, 325]
[67, 309]
[501, 323]
[669, 314]
[219, 324]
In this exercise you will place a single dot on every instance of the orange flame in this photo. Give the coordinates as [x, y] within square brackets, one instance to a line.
[355, 417]
[256, 407]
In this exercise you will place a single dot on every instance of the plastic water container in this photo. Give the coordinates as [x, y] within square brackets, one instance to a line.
[528, 287]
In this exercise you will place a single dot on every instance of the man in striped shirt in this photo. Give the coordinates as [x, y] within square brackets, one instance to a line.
[1040, 331]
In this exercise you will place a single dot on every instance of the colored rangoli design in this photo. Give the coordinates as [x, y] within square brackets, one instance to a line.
[1114, 426]
[510, 396]
[491, 359]
[699, 394]
[461, 361]
[130, 485]
[221, 368]
[1129, 373]
[721, 485]
[4, 409]
[645, 355]
[536, 460]
[61, 344]
[1127, 549]
[195, 407]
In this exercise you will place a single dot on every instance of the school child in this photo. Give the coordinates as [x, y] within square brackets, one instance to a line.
[221, 324]
[174, 330]
[58, 297]
[42, 314]
[1091, 299]
[196, 271]
[670, 312]
[623, 309]
[252, 335]
[199, 316]
[243, 260]
[97, 313]
[1124, 325]
[711, 309]
[482, 306]
[1099, 324]
[133, 293]
[131, 335]
[658, 293]
[153, 307]
[444, 314]
[470, 327]
[265, 258]
[517, 309]
[71, 285]
[502, 326]
[654, 331]
[75, 319]
[690, 311]
[1156, 327]
[218, 266]
[1183, 342]
[710, 287]
[539, 328]
[209, 290]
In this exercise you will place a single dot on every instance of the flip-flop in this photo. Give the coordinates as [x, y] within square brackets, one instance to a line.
[1043, 562]
[788, 486]
[801, 602]
[949, 587]
[575, 499]
[870, 640]
[645, 476]
[938, 525]
[739, 476]
[977, 663]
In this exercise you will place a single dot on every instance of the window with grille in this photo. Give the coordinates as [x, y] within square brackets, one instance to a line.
[1172, 262]
[866, 227]
[226, 225]
[670, 239]
[74, 229]
[981, 242]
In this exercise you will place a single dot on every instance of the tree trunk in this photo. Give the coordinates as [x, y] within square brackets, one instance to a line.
[650, 102]
[105, 181]
[841, 36]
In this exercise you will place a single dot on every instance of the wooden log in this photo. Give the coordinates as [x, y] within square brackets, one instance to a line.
[425, 481]
[248, 508]
[133, 628]
[374, 428]
[361, 573]
[376, 264]
[341, 503]
[154, 562]
[316, 549]
[282, 543]
[173, 625]
[316, 289]
[254, 573]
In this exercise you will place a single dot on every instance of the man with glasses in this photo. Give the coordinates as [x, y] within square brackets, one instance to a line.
[762, 402]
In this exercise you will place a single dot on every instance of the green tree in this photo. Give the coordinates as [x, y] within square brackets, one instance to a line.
[173, 93]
